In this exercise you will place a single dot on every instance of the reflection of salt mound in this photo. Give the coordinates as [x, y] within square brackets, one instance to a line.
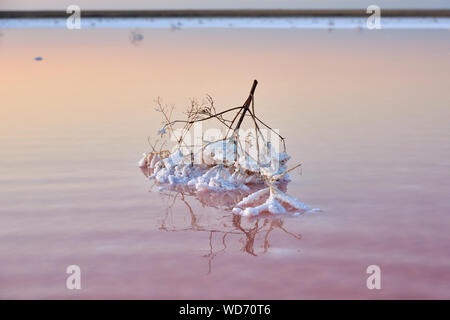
[224, 171]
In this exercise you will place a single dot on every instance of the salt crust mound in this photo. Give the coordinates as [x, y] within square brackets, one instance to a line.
[220, 173]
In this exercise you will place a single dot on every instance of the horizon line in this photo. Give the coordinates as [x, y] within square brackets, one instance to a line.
[225, 13]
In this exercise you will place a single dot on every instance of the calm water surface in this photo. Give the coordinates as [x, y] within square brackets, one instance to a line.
[366, 112]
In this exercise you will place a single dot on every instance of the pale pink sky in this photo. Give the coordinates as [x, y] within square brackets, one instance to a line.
[193, 4]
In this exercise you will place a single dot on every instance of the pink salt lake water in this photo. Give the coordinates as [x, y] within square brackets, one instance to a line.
[366, 112]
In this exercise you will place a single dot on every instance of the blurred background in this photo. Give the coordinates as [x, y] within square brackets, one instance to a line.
[366, 112]
[219, 4]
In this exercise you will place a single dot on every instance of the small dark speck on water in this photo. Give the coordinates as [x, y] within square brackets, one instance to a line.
[38, 58]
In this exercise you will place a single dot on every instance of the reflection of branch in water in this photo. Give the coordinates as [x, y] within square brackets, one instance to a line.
[250, 234]
[278, 224]
[168, 212]
[235, 227]
[191, 212]
[211, 255]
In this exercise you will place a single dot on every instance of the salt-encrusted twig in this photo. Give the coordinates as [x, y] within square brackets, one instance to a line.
[225, 163]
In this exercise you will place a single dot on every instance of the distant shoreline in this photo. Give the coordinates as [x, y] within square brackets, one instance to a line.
[245, 13]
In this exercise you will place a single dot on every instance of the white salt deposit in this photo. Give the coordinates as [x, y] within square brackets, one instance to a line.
[273, 204]
[220, 173]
